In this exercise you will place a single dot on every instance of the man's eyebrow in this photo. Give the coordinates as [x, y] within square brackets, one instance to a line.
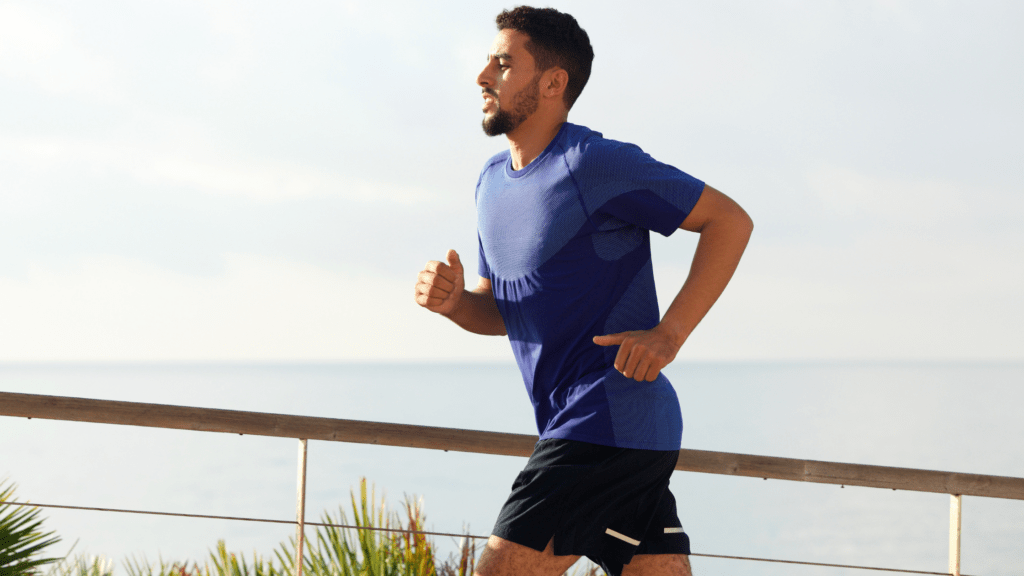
[500, 56]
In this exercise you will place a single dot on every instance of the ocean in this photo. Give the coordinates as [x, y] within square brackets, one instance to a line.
[939, 416]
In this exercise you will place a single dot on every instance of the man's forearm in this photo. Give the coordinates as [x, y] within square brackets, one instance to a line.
[478, 313]
[718, 253]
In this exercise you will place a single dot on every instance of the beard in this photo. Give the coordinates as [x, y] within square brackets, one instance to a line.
[524, 104]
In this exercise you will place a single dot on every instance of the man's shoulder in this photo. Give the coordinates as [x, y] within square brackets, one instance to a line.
[589, 152]
[497, 160]
[494, 162]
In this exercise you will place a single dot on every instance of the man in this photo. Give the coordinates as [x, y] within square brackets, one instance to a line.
[565, 272]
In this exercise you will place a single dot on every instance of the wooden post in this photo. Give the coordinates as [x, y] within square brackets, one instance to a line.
[300, 511]
[954, 534]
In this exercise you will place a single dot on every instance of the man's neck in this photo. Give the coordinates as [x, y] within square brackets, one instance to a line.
[530, 138]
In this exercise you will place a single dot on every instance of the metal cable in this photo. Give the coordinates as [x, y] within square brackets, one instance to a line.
[822, 564]
[264, 520]
[425, 532]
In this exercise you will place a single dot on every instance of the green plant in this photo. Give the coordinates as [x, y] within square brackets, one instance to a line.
[82, 565]
[22, 539]
[361, 551]
[228, 564]
[137, 567]
[464, 564]
[379, 543]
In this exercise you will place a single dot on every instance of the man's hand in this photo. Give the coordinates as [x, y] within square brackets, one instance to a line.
[439, 286]
[642, 353]
[724, 230]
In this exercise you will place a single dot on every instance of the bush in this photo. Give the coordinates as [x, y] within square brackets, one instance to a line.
[22, 539]
[364, 549]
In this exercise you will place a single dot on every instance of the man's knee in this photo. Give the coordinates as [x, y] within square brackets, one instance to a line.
[658, 565]
[504, 558]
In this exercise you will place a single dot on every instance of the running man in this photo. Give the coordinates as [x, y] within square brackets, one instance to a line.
[565, 271]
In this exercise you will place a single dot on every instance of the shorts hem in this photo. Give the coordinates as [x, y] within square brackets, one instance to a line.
[610, 443]
[505, 533]
[676, 544]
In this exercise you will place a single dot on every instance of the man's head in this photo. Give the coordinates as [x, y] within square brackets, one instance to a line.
[556, 40]
[538, 55]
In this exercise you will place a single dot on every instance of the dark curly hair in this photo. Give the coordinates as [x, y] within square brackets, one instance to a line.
[556, 39]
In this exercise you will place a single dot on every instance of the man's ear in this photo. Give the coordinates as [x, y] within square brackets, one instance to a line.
[555, 82]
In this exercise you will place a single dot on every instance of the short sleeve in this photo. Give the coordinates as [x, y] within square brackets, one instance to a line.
[622, 181]
[483, 269]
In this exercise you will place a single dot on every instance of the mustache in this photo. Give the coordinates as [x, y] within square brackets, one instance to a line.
[489, 91]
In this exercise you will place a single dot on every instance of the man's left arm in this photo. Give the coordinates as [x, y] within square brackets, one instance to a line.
[724, 229]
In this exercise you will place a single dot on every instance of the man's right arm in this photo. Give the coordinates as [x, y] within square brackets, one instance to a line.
[440, 288]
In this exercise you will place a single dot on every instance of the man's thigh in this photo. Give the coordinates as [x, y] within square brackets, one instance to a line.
[505, 558]
[658, 565]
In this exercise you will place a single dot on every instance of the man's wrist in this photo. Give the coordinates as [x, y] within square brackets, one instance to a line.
[451, 313]
[676, 334]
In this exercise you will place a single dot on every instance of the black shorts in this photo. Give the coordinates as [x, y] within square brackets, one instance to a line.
[596, 501]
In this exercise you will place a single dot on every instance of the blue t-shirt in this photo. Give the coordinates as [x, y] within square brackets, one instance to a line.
[565, 244]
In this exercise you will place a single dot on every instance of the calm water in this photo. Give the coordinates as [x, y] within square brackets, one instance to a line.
[963, 418]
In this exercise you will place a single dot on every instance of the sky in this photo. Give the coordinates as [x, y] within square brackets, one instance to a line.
[258, 181]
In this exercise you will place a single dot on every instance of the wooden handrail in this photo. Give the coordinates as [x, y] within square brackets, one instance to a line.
[411, 436]
[263, 424]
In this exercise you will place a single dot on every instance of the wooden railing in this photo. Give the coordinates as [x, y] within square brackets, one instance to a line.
[411, 436]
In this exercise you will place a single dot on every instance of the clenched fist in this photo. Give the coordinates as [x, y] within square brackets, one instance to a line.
[439, 286]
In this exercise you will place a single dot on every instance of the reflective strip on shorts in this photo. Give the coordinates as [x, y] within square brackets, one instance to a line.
[622, 537]
[670, 530]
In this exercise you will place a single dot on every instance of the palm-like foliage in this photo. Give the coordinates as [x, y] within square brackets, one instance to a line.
[361, 551]
[464, 564]
[81, 565]
[22, 539]
[228, 564]
[136, 567]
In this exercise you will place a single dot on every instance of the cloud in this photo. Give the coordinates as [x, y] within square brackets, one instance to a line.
[892, 201]
[258, 309]
[267, 181]
[38, 48]
[191, 159]
[886, 296]
[230, 23]
[863, 266]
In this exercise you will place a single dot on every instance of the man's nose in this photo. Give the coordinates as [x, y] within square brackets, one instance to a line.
[484, 79]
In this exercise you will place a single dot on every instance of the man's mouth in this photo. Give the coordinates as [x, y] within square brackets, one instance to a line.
[489, 100]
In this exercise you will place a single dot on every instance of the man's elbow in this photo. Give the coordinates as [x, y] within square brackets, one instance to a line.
[739, 221]
[746, 223]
